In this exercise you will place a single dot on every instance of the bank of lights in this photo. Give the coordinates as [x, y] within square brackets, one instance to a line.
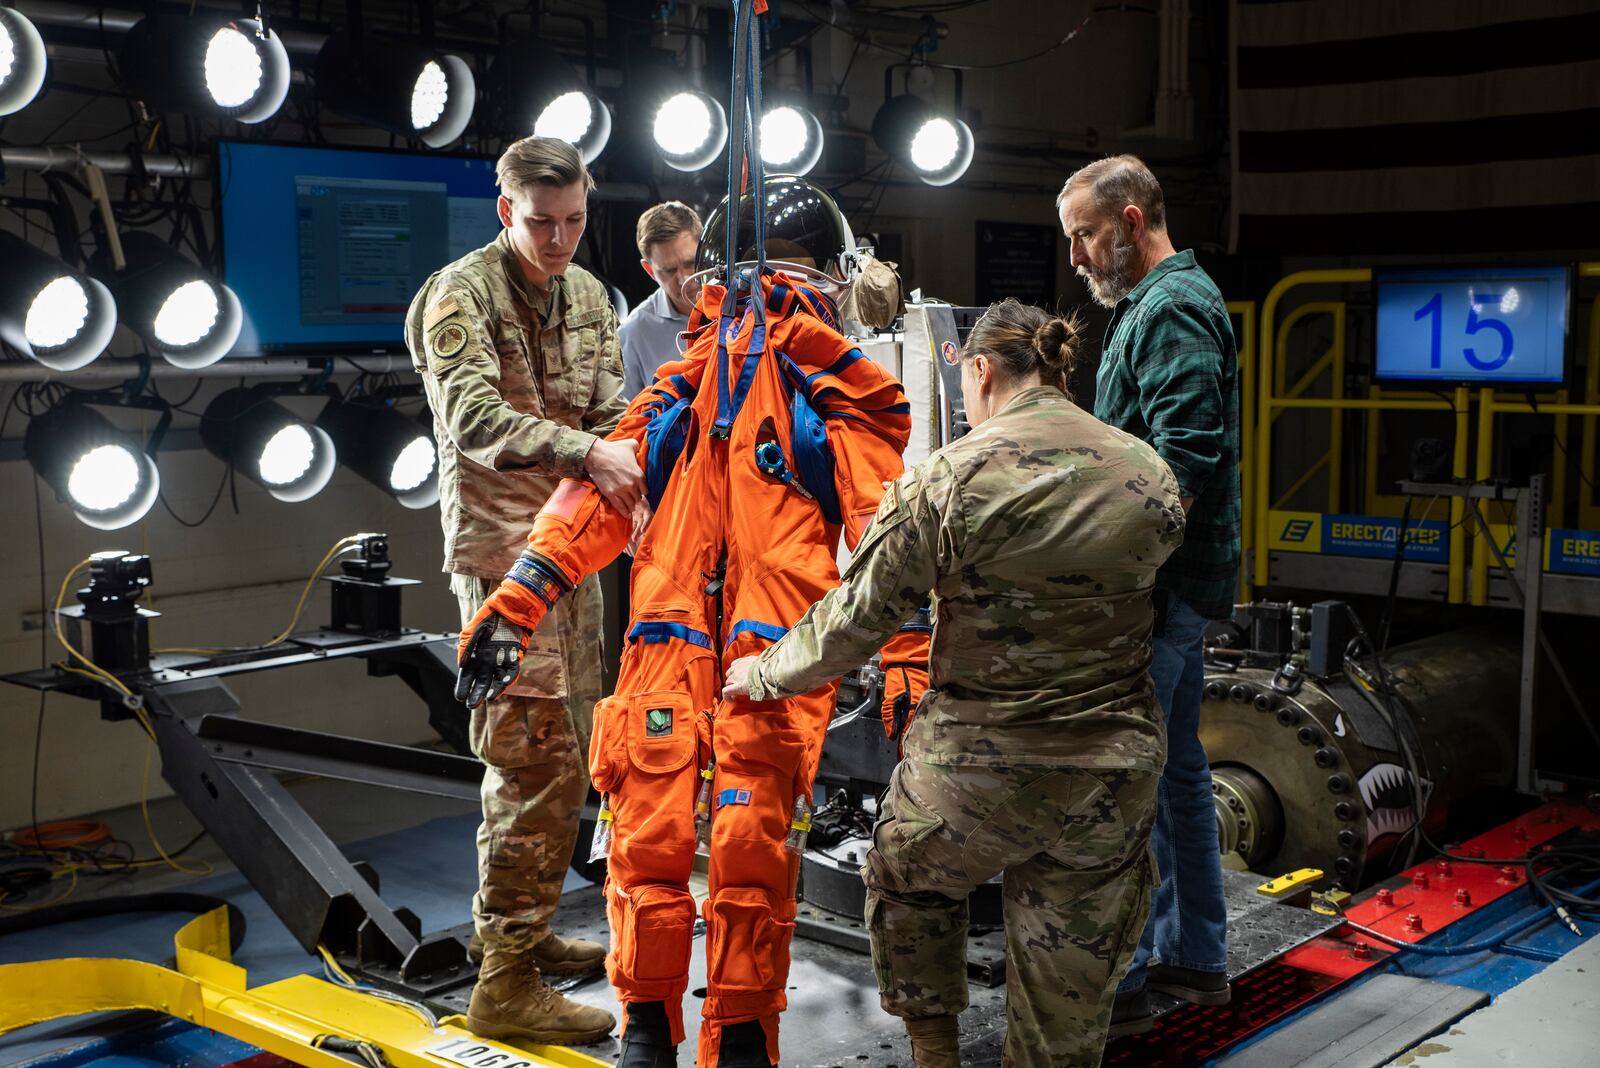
[791, 139]
[207, 64]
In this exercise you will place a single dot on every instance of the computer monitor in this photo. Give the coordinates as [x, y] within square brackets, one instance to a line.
[1499, 326]
[325, 247]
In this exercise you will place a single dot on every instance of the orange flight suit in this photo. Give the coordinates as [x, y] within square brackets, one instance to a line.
[719, 516]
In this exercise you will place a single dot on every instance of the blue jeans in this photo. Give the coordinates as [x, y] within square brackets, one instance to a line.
[1188, 917]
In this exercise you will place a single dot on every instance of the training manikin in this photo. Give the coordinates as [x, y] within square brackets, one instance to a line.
[771, 436]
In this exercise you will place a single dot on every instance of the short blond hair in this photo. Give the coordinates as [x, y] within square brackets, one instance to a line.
[1117, 181]
[663, 222]
[540, 161]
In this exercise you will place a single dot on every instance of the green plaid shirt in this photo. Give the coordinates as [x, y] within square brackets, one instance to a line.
[1169, 375]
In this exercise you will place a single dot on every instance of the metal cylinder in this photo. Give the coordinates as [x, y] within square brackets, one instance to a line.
[1318, 778]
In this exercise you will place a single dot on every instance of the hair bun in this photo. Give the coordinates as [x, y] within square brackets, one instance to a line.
[1056, 342]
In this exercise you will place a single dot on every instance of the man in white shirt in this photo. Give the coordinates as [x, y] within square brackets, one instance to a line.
[669, 239]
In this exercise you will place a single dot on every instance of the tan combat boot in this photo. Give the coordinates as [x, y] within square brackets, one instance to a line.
[568, 956]
[554, 955]
[935, 1041]
[511, 1000]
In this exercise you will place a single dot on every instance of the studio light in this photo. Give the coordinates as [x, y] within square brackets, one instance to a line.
[22, 61]
[207, 64]
[268, 444]
[405, 88]
[791, 139]
[49, 311]
[385, 447]
[690, 130]
[176, 307]
[541, 94]
[935, 146]
[98, 471]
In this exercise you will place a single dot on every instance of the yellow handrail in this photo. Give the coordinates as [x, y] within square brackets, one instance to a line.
[1261, 476]
[1272, 397]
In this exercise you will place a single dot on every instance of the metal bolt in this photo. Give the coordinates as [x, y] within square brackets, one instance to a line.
[1240, 693]
[1475, 852]
[1309, 735]
[1233, 803]
[1265, 702]
[1445, 869]
[1420, 880]
[1345, 811]
[1463, 899]
[1215, 690]
[1344, 865]
[1288, 716]
[1347, 838]
[1361, 951]
[1510, 873]
[1413, 922]
[1325, 758]
[1385, 896]
[1338, 784]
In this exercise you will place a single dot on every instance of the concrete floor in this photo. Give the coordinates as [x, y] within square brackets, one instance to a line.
[833, 1018]
[1552, 1020]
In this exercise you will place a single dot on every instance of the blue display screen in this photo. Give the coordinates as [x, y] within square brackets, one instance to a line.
[326, 247]
[1501, 325]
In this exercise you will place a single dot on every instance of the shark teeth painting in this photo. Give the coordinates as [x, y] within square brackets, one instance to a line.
[1386, 790]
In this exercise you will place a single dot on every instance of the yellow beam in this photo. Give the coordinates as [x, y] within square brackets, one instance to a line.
[283, 1018]
[1457, 569]
[1310, 473]
[1586, 461]
[1480, 551]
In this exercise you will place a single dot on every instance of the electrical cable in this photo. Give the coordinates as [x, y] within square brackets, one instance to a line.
[338, 975]
[339, 548]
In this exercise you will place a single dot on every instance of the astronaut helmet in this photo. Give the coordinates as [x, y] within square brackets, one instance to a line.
[807, 237]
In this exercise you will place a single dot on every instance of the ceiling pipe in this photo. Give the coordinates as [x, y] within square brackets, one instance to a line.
[121, 370]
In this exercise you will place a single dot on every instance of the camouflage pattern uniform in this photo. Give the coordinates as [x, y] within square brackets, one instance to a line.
[1037, 747]
[521, 381]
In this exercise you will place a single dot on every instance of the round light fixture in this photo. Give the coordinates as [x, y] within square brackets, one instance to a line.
[791, 140]
[207, 64]
[50, 312]
[397, 85]
[98, 471]
[22, 61]
[690, 130]
[268, 444]
[934, 146]
[166, 298]
[386, 448]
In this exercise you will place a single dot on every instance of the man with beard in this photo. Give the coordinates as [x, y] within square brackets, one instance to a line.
[1168, 376]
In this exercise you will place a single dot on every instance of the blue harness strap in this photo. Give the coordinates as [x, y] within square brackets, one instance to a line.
[770, 631]
[655, 632]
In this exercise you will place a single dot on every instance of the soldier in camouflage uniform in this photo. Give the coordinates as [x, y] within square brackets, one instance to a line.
[1037, 748]
[518, 354]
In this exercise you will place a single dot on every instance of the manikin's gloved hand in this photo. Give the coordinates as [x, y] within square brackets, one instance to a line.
[490, 659]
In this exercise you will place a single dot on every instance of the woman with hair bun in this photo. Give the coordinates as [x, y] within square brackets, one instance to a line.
[1036, 750]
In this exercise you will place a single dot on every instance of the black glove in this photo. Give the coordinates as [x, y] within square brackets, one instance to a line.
[491, 660]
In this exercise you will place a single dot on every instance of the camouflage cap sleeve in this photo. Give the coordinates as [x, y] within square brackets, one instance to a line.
[462, 377]
[913, 540]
